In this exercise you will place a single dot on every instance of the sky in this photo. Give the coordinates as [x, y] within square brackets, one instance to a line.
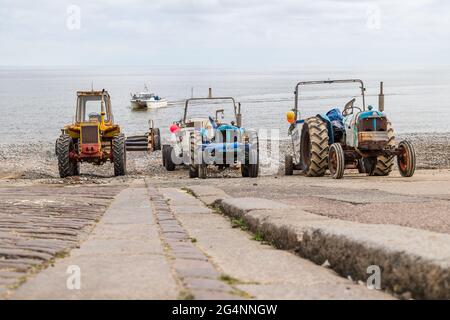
[283, 33]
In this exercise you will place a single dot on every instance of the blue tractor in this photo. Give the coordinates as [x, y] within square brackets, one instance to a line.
[354, 138]
[200, 140]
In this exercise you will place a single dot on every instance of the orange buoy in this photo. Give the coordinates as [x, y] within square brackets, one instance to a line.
[290, 116]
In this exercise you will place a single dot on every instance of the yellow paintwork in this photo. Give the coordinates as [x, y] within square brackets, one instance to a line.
[86, 124]
[109, 130]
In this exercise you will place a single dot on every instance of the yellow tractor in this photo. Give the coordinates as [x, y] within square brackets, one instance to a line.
[92, 138]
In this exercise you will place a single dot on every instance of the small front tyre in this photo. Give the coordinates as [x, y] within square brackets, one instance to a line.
[336, 161]
[251, 166]
[406, 160]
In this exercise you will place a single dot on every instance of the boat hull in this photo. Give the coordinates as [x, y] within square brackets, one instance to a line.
[157, 104]
[138, 105]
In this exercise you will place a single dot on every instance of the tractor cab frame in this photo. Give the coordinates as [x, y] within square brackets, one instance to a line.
[84, 97]
[92, 138]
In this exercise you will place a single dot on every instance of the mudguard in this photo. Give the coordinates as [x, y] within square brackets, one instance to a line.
[327, 120]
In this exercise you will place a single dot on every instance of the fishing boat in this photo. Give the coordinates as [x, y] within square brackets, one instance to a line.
[147, 100]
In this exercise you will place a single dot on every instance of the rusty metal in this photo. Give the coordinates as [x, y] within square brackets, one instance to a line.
[89, 134]
[373, 140]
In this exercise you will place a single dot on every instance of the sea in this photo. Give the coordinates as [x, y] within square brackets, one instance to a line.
[36, 102]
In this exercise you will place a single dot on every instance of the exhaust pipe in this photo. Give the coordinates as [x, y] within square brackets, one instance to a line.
[381, 98]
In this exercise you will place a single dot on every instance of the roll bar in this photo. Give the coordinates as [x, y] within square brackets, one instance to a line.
[302, 83]
[236, 105]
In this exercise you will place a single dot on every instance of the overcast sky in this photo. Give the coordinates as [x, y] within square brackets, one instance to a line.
[224, 32]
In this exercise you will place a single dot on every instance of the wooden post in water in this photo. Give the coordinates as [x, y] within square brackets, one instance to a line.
[381, 98]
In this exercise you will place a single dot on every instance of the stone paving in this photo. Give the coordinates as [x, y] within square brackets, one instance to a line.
[254, 269]
[122, 258]
[39, 223]
[154, 242]
[196, 275]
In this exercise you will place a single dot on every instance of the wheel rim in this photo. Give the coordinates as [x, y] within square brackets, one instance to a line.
[403, 159]
[333, 161]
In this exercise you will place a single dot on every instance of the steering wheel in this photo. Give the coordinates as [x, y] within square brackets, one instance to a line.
[349, 106]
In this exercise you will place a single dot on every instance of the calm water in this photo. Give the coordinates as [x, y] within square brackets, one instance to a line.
[36, 103]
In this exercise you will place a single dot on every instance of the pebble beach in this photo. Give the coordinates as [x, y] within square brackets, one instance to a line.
[37, 161]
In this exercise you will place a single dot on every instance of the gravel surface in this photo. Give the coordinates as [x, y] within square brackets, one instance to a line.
[38, 161]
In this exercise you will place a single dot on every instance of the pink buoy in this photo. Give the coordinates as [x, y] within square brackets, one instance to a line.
[174, 128]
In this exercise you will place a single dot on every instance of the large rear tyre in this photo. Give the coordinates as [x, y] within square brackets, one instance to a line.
[314, 147]
[66, 166]
[384, 164]
[336, 161]
[193, 167]
[119, 155]
[288, 165]
[406, 160]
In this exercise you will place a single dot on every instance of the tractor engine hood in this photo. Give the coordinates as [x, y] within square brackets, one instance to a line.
[371, 114]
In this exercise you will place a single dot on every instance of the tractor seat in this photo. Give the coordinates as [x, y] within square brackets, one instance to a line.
[94, 117]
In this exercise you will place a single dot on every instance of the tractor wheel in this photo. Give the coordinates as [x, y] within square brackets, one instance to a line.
[156, 139]
[119, 155]
[168, 162]
[336, 161]
[253, 166]
[384, 164]
[314, 147]
[288, 165]
[244, 170]
[64, 145]
[250, 167]
[202, 171]
[406, 160]
[361, 166]
[193, 167]
[163, 155]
